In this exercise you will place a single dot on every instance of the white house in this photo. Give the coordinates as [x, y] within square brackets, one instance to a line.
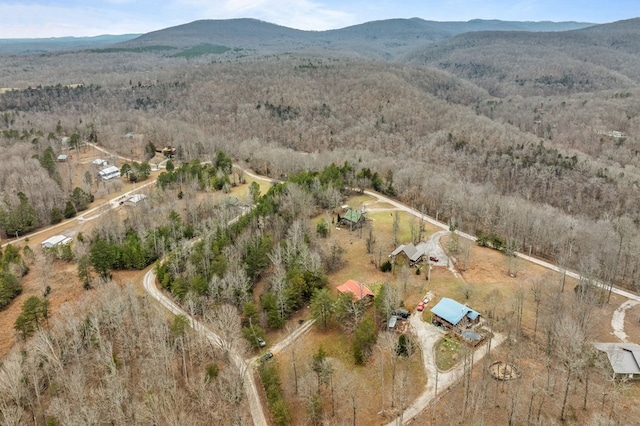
[109, 173]
[56, 240]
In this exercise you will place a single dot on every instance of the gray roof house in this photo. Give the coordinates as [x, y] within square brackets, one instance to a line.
[624, 359]
[412, 253]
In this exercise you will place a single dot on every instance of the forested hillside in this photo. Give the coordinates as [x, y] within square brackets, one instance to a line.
[527, 150]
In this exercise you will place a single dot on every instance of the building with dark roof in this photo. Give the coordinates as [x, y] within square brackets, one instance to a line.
[412, 253]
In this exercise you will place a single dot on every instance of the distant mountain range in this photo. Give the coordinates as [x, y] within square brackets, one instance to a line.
[384, 39]
[502, 57]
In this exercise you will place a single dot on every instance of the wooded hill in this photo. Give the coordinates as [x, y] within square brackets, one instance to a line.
[603, 57]
[385, 39]
[529, 136]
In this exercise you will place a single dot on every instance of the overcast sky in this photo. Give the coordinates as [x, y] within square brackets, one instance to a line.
[58, 18]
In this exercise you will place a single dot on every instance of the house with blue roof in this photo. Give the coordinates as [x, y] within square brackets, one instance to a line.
[454, 315]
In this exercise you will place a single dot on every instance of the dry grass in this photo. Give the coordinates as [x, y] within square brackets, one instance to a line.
[363, 382]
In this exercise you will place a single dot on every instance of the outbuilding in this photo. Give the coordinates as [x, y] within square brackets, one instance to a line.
[56, 240]
[109, 173]
[135, 199]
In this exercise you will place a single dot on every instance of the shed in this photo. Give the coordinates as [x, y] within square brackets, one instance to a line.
[62, 157]
[454, 314]
[624, 359]
[392, 322]
[109, 173]
[56, 240]
[359, 290]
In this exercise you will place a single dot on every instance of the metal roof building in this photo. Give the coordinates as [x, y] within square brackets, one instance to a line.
[56, 240]
[359, 290]
[412, 252]
[109, 173]
[623, 357]
[135, 199]
[453, 312]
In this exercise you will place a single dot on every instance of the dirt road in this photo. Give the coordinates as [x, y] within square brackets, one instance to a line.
[250, 388]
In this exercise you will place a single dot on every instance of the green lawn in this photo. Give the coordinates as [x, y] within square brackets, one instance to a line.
[448, 352]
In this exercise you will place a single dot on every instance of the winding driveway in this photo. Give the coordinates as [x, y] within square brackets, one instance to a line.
[255, 406]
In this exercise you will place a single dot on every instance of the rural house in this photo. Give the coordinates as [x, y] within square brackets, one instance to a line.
[454, 315]
[412, 253]
[357, 289]
[352, 218]
[624, 359]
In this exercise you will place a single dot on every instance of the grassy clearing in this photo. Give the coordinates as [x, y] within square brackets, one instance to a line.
[447, 353]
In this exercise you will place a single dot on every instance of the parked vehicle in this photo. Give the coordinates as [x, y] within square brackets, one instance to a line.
[261, 342]
[402, 313]
[266, 357]
[433, 258]
[420, 307]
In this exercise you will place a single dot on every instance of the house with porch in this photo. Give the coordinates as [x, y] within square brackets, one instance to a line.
[411, 253]
[454, 315]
